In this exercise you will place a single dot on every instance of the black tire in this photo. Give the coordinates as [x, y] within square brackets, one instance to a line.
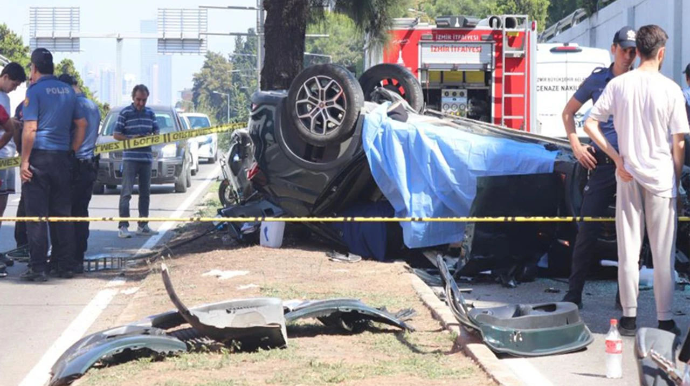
[98, 189]
[195, 171]
[339, 101]
[395, 78]
[188, 177]
[181, 182]
[226, 195]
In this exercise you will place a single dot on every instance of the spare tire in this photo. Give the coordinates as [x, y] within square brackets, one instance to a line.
[323, 103]
[395, 78]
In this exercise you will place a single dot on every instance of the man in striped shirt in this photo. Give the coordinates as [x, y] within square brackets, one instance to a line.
[136, 120]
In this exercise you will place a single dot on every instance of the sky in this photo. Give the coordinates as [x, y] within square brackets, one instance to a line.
[124, 16]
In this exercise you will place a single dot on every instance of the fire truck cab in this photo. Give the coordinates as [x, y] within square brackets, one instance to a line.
[479, 69]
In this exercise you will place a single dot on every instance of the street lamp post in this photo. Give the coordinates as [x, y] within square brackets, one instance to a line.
[228, 95]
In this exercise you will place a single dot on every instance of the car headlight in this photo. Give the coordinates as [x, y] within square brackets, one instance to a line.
[169, 150]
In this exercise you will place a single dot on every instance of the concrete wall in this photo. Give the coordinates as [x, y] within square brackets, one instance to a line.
[598, 30]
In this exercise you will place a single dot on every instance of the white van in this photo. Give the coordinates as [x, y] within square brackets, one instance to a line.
[561, 68]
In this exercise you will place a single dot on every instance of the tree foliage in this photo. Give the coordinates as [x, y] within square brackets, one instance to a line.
[66, 66]
[344, 45]
[285, 29]
[12, 47]
[211, 86]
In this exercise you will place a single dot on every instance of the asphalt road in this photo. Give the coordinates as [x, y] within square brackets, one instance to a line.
[39, 320]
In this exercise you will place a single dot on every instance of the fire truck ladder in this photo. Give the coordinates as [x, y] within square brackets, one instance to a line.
[518, 24]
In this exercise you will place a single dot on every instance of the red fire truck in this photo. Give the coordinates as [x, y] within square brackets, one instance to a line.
[480, 69]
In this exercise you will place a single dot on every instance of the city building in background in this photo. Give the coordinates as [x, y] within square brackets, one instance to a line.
[108, 86]
[156, 70]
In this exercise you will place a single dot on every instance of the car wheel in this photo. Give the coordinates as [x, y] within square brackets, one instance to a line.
[98, 189]
[181, 182]
[323, 103]
[226, 195]
[188, 177]
[395, 78]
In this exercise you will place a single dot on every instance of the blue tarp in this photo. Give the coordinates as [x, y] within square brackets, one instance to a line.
[431, 171]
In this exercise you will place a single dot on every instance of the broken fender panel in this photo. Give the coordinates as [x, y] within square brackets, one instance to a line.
[87, 351]
[520, 329]
[254, 323]
[350, 314]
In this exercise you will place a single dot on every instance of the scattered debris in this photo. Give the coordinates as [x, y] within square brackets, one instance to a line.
[552, 290]
[222, 275]
[339, 257]
[247, 286]
[256, 323]
[129, 291]
[244, 324]
[523, 330]
[350, 314]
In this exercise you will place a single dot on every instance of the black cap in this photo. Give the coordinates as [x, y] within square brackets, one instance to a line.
[67, 78]
[687, 70]
[625, 37]
[41, 57]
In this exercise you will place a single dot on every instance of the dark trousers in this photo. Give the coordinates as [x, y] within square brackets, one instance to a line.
[20, 236]
[599, 194]
[130, 171]
[82, 188]
[49, 194]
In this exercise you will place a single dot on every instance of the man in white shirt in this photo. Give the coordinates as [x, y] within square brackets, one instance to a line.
[649, 117]
[11, 77]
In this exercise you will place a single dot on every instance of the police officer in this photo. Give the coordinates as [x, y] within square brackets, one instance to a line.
[601, 187]
[47, 148]
[84, 171]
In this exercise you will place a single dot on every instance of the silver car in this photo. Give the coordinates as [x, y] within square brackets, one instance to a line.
[172, 161]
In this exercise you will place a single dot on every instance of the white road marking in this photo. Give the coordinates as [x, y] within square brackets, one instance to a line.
[40, 373]
[526, 372]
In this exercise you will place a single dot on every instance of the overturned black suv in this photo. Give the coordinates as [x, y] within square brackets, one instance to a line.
[303, 155]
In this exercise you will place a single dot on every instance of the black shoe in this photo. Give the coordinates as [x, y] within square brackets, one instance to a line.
[63, 273]
[6, 260]
[30, 275]
[569, 298]
[3, 271]
[627, 326]
[670, 326]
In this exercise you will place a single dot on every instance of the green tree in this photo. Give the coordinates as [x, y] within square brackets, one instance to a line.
[286, 25]
[344, 45]
[560, 9]
[12, 47]
[435, 8]
[66, 66]
[536, 9]
[211, 86]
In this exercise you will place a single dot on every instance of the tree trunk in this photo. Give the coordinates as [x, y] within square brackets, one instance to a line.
[284, 34]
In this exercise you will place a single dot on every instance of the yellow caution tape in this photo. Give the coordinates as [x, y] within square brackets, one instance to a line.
[321, 219]
[7, 163]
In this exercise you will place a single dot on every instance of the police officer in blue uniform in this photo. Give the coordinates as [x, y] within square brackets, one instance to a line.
[84, 171]
[48, 146]
[601, 187]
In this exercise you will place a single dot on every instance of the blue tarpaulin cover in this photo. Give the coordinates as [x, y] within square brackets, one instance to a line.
[426, 170]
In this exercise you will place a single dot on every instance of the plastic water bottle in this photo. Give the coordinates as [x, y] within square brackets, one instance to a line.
[614, 352]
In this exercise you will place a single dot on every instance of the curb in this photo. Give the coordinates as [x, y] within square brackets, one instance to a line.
[470, 345]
